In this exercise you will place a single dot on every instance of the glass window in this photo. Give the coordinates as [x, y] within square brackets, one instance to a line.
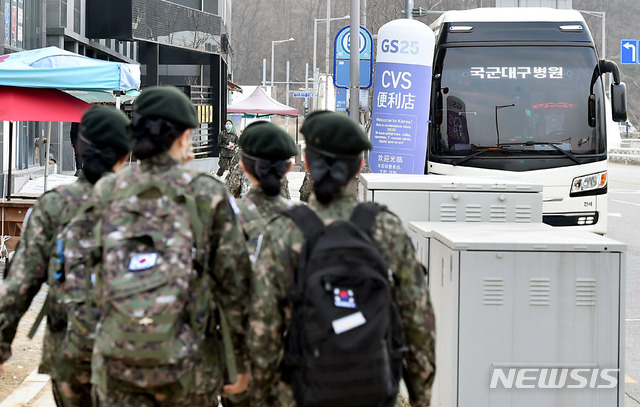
[523, 98]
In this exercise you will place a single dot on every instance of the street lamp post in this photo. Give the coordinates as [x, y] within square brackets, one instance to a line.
[273, 43]
[315, 51]
[326, 58]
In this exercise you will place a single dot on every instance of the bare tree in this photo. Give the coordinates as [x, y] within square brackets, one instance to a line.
[258, 22]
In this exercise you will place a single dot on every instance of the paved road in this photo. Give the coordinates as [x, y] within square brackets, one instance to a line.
[624, 222]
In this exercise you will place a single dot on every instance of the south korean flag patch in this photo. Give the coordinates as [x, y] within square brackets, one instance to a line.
[143, 261]
[343, 298]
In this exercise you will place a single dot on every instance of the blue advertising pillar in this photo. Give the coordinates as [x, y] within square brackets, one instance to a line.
[401, 95]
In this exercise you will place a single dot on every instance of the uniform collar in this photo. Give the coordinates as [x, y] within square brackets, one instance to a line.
[159, 163]
[346, 194]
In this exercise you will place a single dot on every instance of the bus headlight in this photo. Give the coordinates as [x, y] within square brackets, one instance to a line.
[593, 184]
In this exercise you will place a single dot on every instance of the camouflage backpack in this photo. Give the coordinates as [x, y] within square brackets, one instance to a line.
[153, 286]
[69, 304]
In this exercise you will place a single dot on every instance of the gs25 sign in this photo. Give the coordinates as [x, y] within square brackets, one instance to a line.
[400, 46]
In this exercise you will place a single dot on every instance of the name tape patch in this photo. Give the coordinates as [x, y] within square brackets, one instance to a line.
[348, 323]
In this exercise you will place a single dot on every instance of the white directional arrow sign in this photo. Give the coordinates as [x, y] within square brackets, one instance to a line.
[629, 45]
[629, 52]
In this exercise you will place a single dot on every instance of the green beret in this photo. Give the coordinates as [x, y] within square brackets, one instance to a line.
[166, 102]
[263, 139]
[105, 126]
[334, 133]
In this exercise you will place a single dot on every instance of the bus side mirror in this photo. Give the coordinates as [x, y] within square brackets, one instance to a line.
[438, 99]
[439, 112]
[592, 110]
[619, 102]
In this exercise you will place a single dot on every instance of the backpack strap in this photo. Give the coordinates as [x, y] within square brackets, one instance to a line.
[306, 219]
[43, 311]
[364, 215]
[199, 229]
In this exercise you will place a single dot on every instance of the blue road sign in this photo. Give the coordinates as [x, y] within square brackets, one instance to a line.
[301, 94]
[341, 100]
[342, 58]
[629, 52]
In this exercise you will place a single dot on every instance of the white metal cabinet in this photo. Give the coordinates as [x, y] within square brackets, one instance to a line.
[444, 198]
[525, 301]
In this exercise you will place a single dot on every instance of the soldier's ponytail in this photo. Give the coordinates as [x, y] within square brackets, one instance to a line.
[330, 174]
[267, 172]
[153, 136]
[98, 160]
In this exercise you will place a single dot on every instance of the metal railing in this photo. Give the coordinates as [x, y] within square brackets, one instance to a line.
[628, 152]
[204, 137]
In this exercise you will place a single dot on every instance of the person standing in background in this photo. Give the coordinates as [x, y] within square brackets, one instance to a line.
[73, 135]
[227, 145]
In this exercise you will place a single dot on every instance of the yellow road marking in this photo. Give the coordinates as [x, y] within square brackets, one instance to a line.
[627, 379]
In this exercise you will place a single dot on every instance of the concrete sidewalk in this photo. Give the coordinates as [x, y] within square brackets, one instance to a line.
[34, 391]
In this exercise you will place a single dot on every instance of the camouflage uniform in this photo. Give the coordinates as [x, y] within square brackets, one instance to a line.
[229, 268]
[237, 182]
[255, 212]
[306, 188]
[271, 281]
[26, 274]
[224, 138]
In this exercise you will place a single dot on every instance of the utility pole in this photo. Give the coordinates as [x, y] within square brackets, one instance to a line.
[408, 8]
[264, 73]
[354, 56]
[287, 97]
[326, 57]
[306, 87]
[364, 14]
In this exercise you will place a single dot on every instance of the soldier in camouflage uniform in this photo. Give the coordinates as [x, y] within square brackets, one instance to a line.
[227, 147]
[104, 145]
[266, 152]
[162, 121]
[238, 183]
[266, 158]
[334, 156]
[306, 188]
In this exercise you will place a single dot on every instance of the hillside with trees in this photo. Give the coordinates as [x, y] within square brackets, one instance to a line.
[258, 22]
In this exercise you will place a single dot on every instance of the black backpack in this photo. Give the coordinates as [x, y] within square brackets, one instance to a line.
[346, 343]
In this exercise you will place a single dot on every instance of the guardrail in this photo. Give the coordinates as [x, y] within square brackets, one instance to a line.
[627, 155]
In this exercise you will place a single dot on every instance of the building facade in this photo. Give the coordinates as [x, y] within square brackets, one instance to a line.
[180, 42]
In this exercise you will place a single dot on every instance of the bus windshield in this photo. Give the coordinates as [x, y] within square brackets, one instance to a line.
[497, 102]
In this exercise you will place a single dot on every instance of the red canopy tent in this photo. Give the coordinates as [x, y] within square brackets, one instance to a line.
[260, 103]
[37, 104]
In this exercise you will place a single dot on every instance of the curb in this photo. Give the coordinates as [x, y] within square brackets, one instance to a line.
[27, 391]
